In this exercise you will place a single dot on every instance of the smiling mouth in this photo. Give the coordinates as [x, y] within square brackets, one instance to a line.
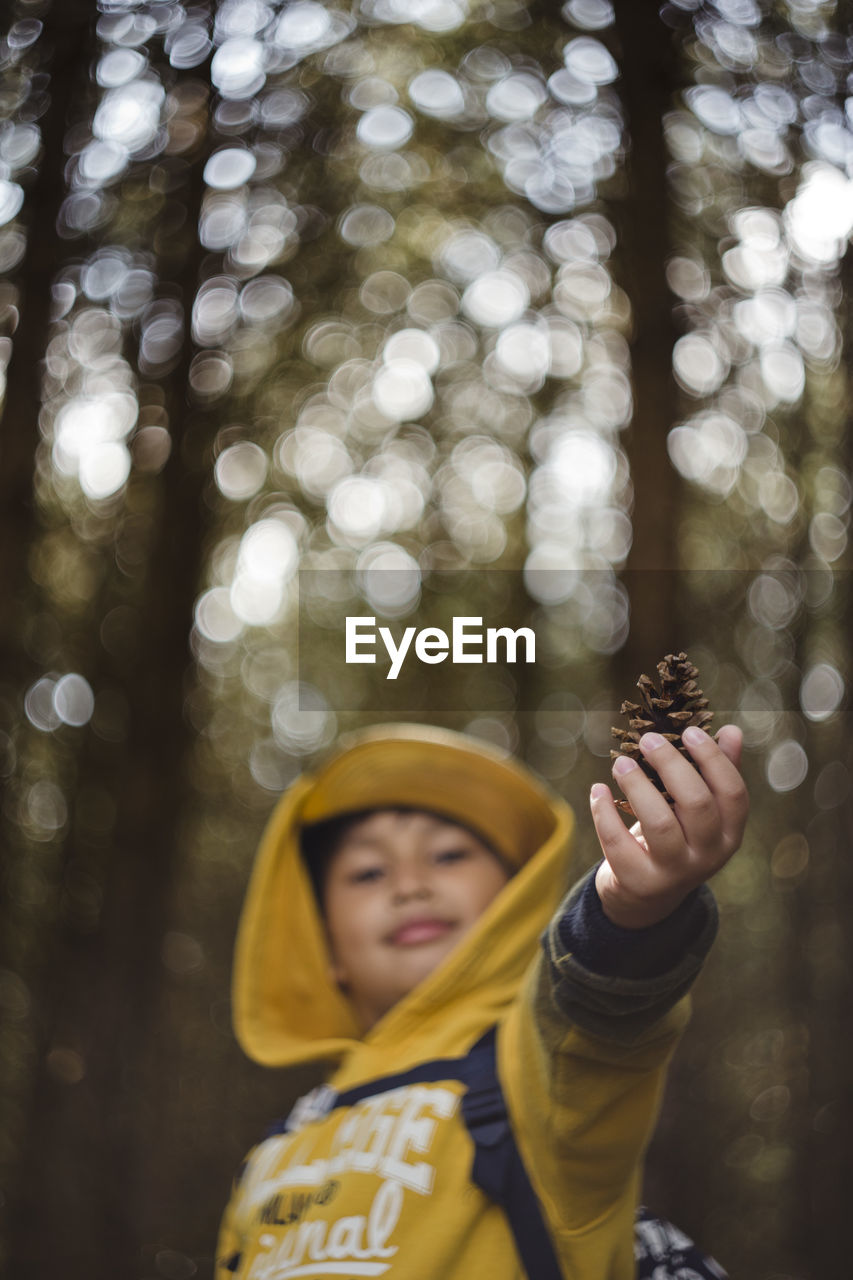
[418, 931]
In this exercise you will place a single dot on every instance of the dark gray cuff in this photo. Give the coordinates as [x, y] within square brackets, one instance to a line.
[606, 948]
[625, 1000]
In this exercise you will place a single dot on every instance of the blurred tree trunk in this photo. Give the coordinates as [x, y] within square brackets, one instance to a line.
[648, 67]
[826, 1169]
[79, 1186]
[68, 30]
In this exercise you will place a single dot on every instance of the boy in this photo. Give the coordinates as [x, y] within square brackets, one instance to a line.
[435, 863]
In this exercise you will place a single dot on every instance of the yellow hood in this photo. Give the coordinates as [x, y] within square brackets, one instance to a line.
[287, 1008]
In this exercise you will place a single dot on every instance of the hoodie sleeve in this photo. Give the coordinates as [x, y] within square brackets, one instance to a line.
[582, 1058]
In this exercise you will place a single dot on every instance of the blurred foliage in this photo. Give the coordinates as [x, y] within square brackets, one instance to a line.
[377, 309]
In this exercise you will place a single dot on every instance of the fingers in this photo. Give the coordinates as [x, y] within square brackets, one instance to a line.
[674, 847]
[660, 826]
[711, 802]
[619, 846]
[730, 742]
[617, 843]
[718, 761]
[634, 890]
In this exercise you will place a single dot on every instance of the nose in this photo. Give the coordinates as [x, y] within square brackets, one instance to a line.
[411, 882]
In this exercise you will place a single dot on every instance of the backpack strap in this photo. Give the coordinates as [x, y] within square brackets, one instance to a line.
[497, 1169]
[322, 1100]
[475, 1061]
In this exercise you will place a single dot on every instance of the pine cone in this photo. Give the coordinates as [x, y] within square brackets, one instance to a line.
[678, 702]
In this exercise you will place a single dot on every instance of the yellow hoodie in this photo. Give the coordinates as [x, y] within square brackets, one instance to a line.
[382, 1188]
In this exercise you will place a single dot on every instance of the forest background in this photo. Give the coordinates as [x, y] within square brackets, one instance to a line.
[409, 308]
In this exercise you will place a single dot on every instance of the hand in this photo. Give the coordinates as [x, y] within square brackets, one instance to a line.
[649, 870]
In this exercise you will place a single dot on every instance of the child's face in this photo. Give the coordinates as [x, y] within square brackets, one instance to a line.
[401, 889]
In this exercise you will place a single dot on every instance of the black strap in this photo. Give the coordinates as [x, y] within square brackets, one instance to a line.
[476, 1060]
[498, 1169]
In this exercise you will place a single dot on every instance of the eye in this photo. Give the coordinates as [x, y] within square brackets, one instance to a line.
[366, 875]
[452, 855]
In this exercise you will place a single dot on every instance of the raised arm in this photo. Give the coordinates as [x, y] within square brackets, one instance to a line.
[584, 1053]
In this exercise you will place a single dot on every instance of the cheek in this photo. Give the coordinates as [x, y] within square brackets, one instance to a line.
[349, 933]
[481, 891]
[340, 951]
